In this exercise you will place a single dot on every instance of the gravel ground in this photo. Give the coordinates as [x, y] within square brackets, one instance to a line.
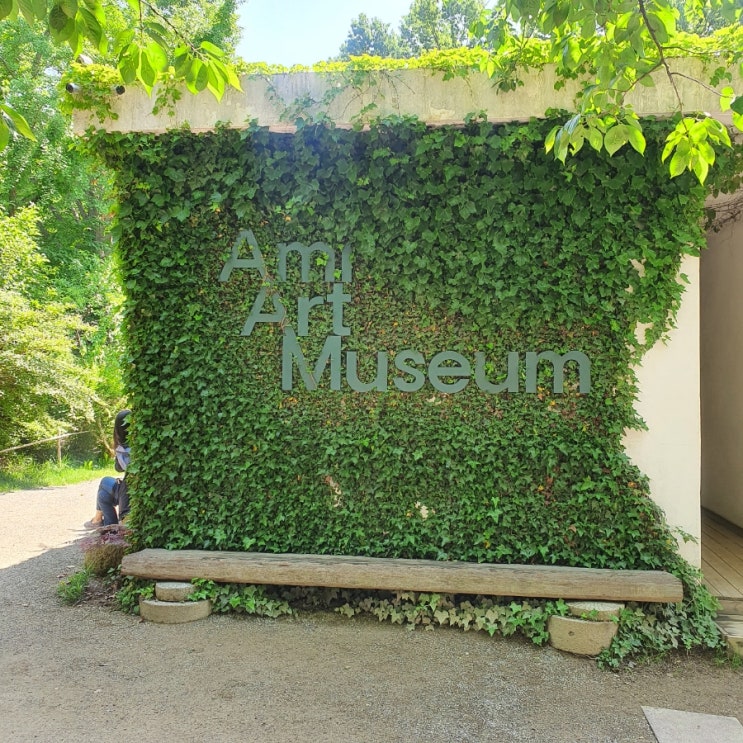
[87, 673]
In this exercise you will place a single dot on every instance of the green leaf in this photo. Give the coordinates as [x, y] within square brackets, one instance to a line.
[576, 141]
[562, 11]
[561, 151]
[225, 74]
[181, 61]
[147, 73]
[202, 78]
[700, 168]
[727, 96]
[549, 141]
[706, 150]
[197, 77]
[211, 49]
[61, 27]
[737, 105]
[39, 9]
[679, 163]
[616, 138]
[657, 25]
[4, 134]
[157, 34]
[6, 8]
[69, 7]
[595, 138]
[19, 123]
[57, 18]
[93, 30]
[636, 139]
[122, 40]
[129, 64]
[31, 10]
[572, 53]
[157, 56]
[716, 131]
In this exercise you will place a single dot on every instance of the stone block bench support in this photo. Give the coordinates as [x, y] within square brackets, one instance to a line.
[332, 571]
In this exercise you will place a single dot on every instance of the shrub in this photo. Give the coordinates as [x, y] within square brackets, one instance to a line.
[104, 550]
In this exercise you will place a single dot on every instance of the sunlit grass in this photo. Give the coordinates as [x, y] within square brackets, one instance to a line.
[22, 473]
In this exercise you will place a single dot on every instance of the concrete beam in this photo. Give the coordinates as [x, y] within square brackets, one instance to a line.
[272, 101]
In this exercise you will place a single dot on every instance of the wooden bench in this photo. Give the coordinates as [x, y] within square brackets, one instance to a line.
[535, 581]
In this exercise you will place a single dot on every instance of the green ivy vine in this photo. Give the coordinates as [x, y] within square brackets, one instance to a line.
[465, 238]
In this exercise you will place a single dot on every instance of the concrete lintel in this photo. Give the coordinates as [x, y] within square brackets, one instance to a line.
[276, 101]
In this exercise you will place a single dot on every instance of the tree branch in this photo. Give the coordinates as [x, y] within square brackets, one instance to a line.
[661, 55]
[697, 81]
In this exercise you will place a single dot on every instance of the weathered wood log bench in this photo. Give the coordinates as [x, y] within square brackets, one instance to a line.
[331, 571]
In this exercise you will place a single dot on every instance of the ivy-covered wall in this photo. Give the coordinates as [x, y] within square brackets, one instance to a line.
[468, 240]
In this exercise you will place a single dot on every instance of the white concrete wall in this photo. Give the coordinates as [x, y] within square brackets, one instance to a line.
[722, 373]
[669, 451]
[421, 93]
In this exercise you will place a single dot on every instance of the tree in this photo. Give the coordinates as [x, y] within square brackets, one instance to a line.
[66, 188]
[150, 49]
[71, 212]
[698, 20]
[614, 47]
[439, 24]
[371, 36]
[428, 25]
[42, 386]
[73, 303]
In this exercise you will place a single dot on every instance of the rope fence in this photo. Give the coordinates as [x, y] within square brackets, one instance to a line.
[57, 438]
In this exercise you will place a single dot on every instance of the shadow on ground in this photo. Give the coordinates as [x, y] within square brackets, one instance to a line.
[88, 673]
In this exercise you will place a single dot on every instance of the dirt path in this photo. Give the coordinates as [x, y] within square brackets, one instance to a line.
[87, 673]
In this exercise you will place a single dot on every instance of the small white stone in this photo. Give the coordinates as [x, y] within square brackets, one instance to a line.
[580, 636]
[173, 590]
[174, 612]
[600, 611]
